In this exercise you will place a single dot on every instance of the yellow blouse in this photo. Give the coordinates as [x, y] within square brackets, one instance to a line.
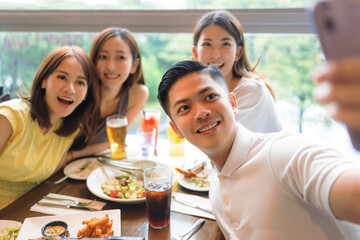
[29, 156]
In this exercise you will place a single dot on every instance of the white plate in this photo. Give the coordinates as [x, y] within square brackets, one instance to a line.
[82, 175]
[99, 176]
[9, 223]
[184, 182]
[31, 227]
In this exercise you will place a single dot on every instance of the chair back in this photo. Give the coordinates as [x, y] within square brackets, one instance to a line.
[4, 97]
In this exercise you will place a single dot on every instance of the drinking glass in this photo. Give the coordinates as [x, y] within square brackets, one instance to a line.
[149, 119]
[116, 129]
[158, 184]
[176, 149]
[146, 141]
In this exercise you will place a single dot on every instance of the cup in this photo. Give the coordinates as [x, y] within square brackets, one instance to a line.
[146, 141]
[116, 129]
[149, 119]
[176, 148]
[158, 184]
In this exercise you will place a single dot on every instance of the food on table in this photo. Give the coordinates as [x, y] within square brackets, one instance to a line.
[126, 186]
[192, 172]
[10, 233]
[196, 177]
[201, 180]
[97, 228]
[49, 238]
[55, 228]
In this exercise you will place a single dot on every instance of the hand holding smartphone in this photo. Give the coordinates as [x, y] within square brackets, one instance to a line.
[337, 23]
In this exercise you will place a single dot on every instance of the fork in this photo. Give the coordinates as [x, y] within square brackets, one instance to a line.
[77, 203]
[194, 227]
[85, 165]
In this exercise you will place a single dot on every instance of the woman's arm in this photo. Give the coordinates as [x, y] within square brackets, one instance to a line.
[138, 94]
[92, 149]
[6, 131]
[345, 196]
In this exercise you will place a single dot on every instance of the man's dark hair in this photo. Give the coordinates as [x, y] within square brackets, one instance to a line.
[182, 69]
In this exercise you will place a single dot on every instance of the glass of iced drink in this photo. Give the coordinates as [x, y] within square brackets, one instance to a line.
[116, 129]
[150, 119]
[158, 184]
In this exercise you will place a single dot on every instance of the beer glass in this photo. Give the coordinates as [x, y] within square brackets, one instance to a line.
[158, 184]
[116, 129]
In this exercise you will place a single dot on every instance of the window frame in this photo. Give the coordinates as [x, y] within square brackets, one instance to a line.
[289, 20]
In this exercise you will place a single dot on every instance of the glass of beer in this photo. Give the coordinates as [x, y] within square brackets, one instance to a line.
[158, 184]
[116, 129]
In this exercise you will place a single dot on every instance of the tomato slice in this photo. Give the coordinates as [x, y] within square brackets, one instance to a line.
[113, 195]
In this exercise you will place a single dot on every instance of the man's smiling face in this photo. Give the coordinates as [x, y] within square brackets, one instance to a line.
[202, 111]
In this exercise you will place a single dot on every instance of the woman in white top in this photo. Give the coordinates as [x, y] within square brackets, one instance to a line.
[219, 40]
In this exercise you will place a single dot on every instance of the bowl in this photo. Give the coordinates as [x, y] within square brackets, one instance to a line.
[55, 228]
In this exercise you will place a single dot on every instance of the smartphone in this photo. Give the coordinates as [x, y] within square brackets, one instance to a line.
[337, 23]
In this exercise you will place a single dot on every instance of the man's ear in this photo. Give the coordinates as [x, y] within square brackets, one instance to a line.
[195, 55]
[134, 66]
[176, 130]
[233, 102]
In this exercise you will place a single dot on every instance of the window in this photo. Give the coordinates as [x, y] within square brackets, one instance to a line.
[278, 30]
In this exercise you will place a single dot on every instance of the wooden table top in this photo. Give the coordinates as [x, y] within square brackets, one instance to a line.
[133, 216]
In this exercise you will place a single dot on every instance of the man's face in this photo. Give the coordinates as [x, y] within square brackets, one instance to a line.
[202, 112]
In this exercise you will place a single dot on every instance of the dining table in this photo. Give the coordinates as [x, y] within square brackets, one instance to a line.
[134, 220]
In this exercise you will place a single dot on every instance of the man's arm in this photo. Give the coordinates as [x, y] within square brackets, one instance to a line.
[345, 196]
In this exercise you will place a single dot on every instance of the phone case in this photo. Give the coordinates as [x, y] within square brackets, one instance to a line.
[337, 23]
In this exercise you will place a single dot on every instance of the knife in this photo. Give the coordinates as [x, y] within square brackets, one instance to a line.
[65, 206]
[107, 238]
[192, 204]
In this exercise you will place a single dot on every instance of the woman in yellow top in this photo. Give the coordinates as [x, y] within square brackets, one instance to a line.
[36, 132]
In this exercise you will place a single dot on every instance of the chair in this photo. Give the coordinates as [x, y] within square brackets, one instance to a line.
[4, 97]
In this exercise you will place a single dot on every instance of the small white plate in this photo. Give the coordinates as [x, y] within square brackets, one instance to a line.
[185, 182]
[82, 175]
[99, 176]
[31, 227]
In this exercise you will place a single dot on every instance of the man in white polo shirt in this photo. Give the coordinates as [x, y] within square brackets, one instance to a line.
[270, 186]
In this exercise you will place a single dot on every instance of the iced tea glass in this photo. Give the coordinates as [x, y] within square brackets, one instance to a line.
[116, 129]
[150, 119]
[158, 184]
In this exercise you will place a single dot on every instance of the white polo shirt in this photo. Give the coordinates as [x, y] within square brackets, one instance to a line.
[276, 186]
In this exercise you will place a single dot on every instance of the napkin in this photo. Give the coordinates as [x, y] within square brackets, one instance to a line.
[64, 211]
[185, 209]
